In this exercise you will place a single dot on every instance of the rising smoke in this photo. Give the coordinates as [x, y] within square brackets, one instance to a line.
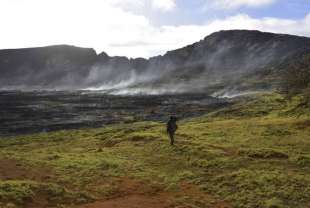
[222, 61]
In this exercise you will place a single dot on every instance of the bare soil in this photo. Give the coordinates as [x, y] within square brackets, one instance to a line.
[135, 194]
[15, 170]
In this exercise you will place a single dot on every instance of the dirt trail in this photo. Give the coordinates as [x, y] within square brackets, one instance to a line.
[133, 201]
[133, 194]
[130, 193]
[11, 169]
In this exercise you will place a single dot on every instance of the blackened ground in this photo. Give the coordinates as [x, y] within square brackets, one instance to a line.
[31, 112]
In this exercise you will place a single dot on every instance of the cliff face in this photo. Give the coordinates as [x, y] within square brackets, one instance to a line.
[223, 58]
[47, 67]
[238, 50]
[231, 60]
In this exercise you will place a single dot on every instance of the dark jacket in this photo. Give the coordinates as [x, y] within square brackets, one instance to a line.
[171, 126]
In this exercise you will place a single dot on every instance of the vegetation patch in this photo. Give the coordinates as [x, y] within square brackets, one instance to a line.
[141, 136]
[263, 153]
[25, 192]
[260, 188]
[304, 160]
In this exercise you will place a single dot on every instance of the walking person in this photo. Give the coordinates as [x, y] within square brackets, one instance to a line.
[171, 128]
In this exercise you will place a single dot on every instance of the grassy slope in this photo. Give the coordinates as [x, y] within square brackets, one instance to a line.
[253, 154]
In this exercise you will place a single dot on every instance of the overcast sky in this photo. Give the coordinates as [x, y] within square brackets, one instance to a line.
[142, 28]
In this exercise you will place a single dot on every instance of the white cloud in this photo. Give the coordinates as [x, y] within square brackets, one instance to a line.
[107, 27]
[160, 5]
[165, 5]
[276, 25]
[127, 3]
[159, 40]
[234, 4]
[26, 23]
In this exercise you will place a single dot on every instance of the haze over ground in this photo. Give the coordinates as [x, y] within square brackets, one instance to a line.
[234, 60]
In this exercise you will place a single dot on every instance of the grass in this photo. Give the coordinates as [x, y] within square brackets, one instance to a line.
[255, 153]
[20, 192]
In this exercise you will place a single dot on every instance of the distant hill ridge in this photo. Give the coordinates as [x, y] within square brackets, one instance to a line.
[220, 58]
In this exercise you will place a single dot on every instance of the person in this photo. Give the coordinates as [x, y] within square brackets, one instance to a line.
[171, 128]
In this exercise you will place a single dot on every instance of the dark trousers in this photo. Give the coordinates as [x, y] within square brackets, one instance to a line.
[171, 135]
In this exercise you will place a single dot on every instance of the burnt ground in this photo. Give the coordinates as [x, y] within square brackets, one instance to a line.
[32, 112]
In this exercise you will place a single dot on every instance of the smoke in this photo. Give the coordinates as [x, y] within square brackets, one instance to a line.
[116, 84]
[146, 91]
[124, 83]
[221, 62]
[233, 93]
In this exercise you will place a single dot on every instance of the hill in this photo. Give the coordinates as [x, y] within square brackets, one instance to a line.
[225, 61]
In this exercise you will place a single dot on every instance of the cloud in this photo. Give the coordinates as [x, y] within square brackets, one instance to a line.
[158, 40]
[269, 24]
[27, 23]
[235, 4]
[159, 5]
[165, 5]
[105, 26]
[127, 4]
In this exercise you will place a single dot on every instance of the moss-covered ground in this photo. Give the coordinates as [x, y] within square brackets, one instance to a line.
[255, 153]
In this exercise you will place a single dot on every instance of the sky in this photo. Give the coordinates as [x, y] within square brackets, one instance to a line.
[142, 28]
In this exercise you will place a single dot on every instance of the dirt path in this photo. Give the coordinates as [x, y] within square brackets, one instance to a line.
[132, 201]
[133, 194]
[129, 194]
[11, 169]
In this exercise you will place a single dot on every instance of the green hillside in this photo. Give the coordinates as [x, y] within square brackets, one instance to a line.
[255, 153]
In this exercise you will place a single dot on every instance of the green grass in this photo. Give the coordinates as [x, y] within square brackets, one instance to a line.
[255, 153]
[20, 192]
